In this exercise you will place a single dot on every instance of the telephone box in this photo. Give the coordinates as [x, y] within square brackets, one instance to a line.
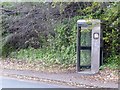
[89, 43]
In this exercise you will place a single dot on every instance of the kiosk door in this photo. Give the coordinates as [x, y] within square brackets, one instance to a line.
[85, 48]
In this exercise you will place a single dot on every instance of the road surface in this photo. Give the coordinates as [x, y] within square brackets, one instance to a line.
[6, 82]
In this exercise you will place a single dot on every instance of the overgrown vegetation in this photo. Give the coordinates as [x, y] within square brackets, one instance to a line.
[61, 48]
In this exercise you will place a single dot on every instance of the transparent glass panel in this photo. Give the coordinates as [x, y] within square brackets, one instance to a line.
[85, 57]
[86, 37]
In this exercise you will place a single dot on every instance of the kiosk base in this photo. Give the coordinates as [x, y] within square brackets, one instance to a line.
[87, 72]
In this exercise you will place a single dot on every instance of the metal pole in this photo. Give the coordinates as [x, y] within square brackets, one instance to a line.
[78, 48]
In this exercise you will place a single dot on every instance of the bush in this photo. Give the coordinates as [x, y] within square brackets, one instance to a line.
[61, 49]
[113, 62]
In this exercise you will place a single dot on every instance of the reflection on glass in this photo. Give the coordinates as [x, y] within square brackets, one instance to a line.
[85, 57]
[85, 37]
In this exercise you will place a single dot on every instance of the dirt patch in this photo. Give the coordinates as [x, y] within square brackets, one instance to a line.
[34, 66]
[105, 75]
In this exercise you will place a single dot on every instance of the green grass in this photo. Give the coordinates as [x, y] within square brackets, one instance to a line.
[63, 57]
[113, 62]
[48, 56]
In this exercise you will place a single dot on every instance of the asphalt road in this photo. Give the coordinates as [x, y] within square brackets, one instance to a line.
[17, 83]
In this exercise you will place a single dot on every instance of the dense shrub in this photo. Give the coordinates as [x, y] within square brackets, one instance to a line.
[61, 48]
